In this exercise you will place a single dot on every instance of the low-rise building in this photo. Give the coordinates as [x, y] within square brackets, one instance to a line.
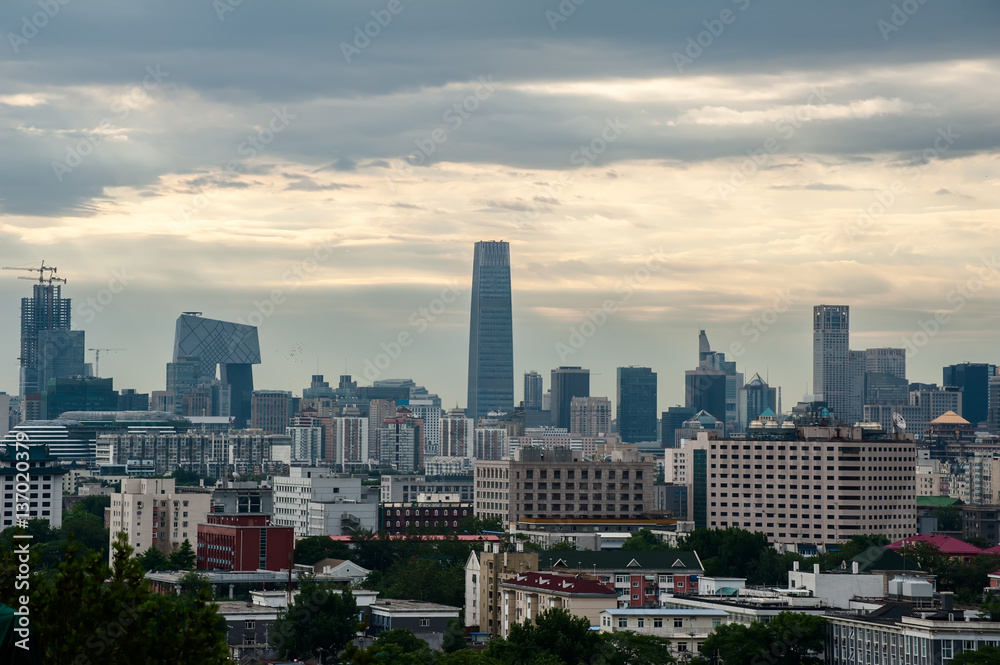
[243, 542]
[686, 629]
[428, 621]
[900, 633]
[523, 597]
[639, 578]
[407, 488]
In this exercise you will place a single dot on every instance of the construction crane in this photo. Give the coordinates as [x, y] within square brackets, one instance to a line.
[97, 359]
[42, 279]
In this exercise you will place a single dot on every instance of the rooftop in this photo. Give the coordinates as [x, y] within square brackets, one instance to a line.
[560, 584]
[643, 611]
[399, 605]
[945, 544]
[950, 418]
[621, 560]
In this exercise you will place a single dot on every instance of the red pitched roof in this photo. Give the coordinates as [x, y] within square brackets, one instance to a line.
[567, 584]
[992, 550]
[945, 544]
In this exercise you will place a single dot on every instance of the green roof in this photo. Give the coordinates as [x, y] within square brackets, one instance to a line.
[882, 558]
[937, 501]
[619, 560]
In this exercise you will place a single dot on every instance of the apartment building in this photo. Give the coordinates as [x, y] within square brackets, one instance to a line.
[523, 597]
[686, 629]
[45, 485]
[155, 512]
[311, 499]
[403, 489]
[484, 572]
[560, 483]
[805, 487]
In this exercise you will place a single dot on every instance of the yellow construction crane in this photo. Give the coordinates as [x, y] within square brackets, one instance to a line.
[42, 279]
[97, 359]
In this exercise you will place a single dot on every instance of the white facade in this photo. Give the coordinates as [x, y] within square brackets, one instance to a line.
[456, 434]
[448, 466]
[294, 493]
[836, 589]
[352, 440]
[44, 492]
[340, 518]
[306, 444]
[472, 582]
[150, 511]
[686, 629]
[431, 415]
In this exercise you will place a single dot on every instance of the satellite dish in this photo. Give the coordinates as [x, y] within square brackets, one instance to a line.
[899, 421]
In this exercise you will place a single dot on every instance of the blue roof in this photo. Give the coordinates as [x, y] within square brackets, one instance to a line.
[767, 412]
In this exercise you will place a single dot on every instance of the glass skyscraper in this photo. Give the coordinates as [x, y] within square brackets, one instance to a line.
[45, 310]
[491, 339]
[636, 404]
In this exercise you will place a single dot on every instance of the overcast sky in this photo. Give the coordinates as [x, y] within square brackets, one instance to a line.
[688, 164]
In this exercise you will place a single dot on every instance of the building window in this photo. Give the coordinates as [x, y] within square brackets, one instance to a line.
[678, 623]
[658, 622]
[425, 622]
[622, 623]
[248, 624]
[642, 622]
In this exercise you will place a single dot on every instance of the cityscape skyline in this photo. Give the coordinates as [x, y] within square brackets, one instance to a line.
[749, 338]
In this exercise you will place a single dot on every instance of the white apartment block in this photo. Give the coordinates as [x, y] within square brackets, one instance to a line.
[431, 415]
[810, 486]
[152, 512]
[686, 629]
[456, 434]
[43, 493]
[306, 444]
[294, 493]
[351, 441]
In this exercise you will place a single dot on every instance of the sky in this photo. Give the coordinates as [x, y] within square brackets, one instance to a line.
[323, 169]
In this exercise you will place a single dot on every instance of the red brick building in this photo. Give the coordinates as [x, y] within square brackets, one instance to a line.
[244, 542]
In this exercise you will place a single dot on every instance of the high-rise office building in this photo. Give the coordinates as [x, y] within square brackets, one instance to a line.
[567, 383]
[532, 390]
[973, 379]
[233, 347]
[590, 416]
[636, 404]
[60, 354]
[270, 410]
[701, 385]
[755, 398]
[130, 400]
[832, 363]
[672, 420]
[77, 393]
[491, 340]
[46, 309]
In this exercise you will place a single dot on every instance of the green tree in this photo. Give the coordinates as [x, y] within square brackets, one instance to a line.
[454, 637]
[642, 540]
[949, 518]
[985, 655]
[625, 648]
[562, 546]
[184, 558]
[94, 505]
[803, 637]
[186, 478]
[320, 616]
[316, 548]
[86, 612]
[475, 524]
[976, 541]
[153, 559]
[738, 644]
[555, 637]
[87, 529]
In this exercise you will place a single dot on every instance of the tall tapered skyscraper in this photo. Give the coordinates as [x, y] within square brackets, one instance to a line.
[491, 339]
[832, 362]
